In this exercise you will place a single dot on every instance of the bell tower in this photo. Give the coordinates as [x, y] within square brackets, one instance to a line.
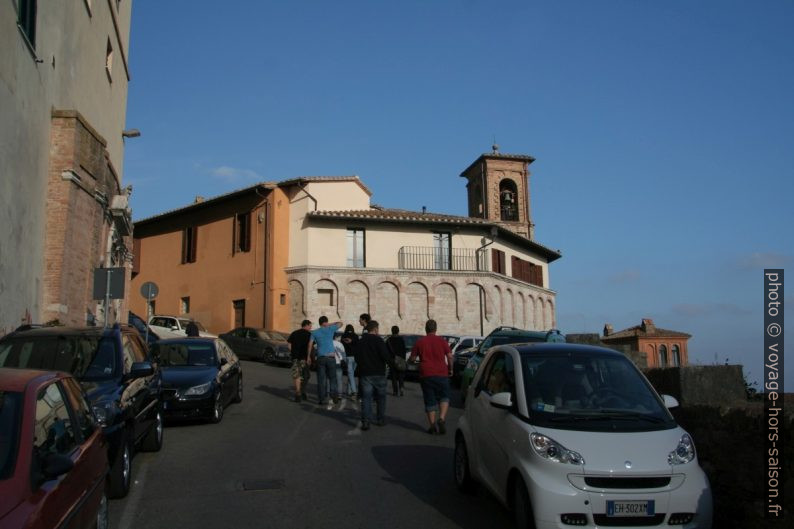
[498, 190]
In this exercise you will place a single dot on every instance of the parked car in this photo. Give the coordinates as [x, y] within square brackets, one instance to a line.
[174, 327]
[200, 377]
[466, 342]
[258, 344]
[121, 385]
[53, 456]
[460, 360]
[412, 368]
[499, 336]
[145, 331]
[569, 435]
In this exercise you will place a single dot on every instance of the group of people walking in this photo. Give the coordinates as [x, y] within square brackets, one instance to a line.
[366, 358]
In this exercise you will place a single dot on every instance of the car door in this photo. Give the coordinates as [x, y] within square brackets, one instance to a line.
[140, 394]
[93, 449]
[58, 500]
[489, 423]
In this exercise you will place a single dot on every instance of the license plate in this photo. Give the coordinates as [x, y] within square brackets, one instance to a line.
[630, 508]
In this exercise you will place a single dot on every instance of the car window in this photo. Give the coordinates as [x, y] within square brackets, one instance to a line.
[53, 430]
[138, 349]
[500, 377]
[225, 351]
[10, 407]
[195, 353]
[83, 415]
[161, 322]
[239, 333]
[86, 357]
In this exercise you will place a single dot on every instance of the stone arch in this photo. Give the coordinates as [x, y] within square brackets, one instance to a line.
[475, 307]
[297, 303]
[445, 308]
[385, 305]
[521, 310]
[321, 303]
[541, 317]
[417, 307]
[356, 301]
[510, 308]
[531, 312]
[552, 319]
[498, 305]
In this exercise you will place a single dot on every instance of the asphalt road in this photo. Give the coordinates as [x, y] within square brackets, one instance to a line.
[275, 463]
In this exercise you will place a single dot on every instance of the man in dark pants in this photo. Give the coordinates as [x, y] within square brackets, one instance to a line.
[396, 346]
[372, 357]
[298, 343]
[326, 362]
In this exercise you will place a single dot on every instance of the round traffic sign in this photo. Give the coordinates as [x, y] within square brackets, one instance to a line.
[149, 290]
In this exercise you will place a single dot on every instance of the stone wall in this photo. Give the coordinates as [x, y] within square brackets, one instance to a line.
[407, 298]
[701, 385]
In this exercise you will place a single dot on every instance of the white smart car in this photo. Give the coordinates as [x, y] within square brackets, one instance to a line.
[572, 435]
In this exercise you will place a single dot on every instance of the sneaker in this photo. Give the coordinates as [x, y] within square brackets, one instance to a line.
[353, 397]
[330, 405]
[432, 430]
[364, 425]
[442, 426]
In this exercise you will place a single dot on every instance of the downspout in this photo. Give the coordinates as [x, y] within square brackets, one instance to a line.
[266, 278]
[477, 253]
[484, 203]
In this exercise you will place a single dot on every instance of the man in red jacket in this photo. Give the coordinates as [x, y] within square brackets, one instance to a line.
[435, 369]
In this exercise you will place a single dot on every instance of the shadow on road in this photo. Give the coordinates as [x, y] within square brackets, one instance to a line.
[427, 472]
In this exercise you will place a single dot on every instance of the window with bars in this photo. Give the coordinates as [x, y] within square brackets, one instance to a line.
[189, 243]
[241, 237]
[356, 248]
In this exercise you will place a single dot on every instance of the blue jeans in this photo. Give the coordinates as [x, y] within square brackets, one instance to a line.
[326, 372]
[351, 375]
[373, 386]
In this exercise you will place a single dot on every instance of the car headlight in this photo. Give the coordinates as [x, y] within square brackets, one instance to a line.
[684, 452]
[548, 448]
[198, 390]
[105, 412]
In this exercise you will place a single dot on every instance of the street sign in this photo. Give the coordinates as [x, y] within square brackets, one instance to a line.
[149, 290]
[109, 283]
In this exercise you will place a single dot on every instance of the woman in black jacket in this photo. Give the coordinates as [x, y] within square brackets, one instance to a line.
[350, 340]
[396, 346]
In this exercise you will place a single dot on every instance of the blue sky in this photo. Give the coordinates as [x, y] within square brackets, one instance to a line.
[663, 132]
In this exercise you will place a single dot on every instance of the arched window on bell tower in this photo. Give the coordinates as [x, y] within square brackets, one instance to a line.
[508, 200]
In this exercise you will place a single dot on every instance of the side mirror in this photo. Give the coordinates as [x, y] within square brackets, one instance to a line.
[55, 465]
[140, 370]
[670, 401]
[503, 401]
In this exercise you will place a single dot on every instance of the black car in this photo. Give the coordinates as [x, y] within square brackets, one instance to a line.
[200, 377]
[121, 384]
[258, 344]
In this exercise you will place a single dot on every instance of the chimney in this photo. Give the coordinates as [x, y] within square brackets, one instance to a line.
[647, 325]
[608, 329]
[198, 199]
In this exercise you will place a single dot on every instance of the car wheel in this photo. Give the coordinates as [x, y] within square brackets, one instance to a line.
[121, 472]
[239, 396]
[463, 477]
[153, 441]
[217, 410]
[270, 356]
[522, 508]
[102, 513]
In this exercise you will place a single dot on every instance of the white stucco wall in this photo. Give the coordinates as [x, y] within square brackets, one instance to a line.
[71, 44]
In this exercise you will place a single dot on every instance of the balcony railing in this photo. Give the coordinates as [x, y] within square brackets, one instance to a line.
[430, 258]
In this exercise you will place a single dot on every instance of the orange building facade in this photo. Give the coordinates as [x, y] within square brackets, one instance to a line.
[219, 261]
[662, 347]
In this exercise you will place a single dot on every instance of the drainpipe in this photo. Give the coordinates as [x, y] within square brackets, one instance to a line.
[266, 278]
[477, 256]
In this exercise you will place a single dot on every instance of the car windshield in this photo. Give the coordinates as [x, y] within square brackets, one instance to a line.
[274, 335]
[518, 337]
[9, 431]
[85, 357]
[590, 392]
[193, 354]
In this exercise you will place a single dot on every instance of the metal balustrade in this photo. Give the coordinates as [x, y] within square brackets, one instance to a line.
[431, 258]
